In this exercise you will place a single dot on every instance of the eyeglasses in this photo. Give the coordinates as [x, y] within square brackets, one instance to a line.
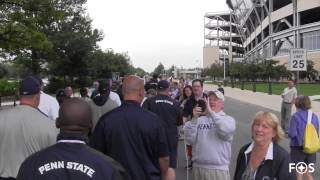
[196, 86]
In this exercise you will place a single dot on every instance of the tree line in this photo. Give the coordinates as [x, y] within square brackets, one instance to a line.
[55, 38]
[262, 70]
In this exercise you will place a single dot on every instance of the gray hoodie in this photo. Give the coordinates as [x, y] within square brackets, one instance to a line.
[211, 137]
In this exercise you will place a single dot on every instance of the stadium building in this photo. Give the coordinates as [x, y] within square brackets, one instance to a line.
[222, 43]
[268, 29]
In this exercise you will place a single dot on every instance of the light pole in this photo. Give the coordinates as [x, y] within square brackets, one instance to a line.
[268, 64]
[197, 69]
[224, 66]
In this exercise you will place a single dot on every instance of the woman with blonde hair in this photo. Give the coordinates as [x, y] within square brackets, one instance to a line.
[263, 158]
[297, 126]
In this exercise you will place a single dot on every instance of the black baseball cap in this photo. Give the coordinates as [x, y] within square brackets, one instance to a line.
[163, 84]
[29, 86]
[61, 93]
[39, 79]
[104, 88]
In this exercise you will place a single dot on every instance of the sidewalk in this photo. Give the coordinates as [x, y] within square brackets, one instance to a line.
[257, 98]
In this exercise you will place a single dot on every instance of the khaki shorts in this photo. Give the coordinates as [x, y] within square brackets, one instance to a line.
[210, 174]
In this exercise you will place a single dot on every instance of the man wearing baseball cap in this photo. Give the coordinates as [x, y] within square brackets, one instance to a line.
[24, 130]
[168, 110]
[101, 103]
[211, 137]
[70, 158]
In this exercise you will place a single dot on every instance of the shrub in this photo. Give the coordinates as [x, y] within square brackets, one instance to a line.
[8, 88]
[54, 85]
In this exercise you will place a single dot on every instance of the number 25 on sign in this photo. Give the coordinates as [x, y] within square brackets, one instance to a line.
[298, 60]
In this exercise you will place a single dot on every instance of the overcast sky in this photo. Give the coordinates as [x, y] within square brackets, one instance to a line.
[166, 31]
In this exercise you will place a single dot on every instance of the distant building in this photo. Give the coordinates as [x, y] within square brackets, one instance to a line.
[210, 56]
[187, 73]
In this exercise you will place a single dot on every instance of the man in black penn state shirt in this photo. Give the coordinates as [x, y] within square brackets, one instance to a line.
[134, 136]
[71, 158]
[168, 110]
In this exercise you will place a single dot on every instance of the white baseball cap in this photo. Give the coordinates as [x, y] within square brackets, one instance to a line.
[216, 93]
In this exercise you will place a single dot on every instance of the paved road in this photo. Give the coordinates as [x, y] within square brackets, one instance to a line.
[243, 113]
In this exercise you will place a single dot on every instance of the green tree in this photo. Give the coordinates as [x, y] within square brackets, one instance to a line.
[281, 72]
[121, 63]
[169, 71]
[140, 72]
[102, 63]
[159, 69]
[55, 37]
[260, 70]
[3, 71]
[214, 71]
[73, 40]
[19, 29]
[311, 73]
[235, 70]
[72, 46]
[48, 32]
[12, 70]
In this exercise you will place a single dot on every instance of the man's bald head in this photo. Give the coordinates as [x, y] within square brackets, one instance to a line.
[75, 116]
[133, 88]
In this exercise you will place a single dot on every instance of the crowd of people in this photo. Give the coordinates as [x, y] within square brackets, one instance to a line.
[132, 133]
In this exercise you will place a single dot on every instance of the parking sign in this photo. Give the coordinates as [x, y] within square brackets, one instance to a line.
[298, 60]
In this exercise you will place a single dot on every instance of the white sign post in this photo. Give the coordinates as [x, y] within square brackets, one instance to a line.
[298, 60]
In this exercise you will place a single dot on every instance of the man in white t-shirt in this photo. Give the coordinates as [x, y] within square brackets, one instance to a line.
[48, 104]
[288, 97]
[115, 97]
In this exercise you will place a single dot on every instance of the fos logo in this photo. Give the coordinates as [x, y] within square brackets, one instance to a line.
[301, 167]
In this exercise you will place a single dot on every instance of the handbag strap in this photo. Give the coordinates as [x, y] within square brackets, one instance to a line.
[309, 116]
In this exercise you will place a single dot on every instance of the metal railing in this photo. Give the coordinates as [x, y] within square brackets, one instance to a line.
[8, 100]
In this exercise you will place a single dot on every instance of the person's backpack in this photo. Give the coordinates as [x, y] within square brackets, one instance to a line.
[311, 142]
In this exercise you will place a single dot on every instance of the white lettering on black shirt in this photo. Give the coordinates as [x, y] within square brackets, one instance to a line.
[66, 165]
[164, 101]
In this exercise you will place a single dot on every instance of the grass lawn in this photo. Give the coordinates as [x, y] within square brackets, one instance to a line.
[277, 88]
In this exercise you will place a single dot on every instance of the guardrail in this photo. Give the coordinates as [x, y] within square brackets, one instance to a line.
[8, 100]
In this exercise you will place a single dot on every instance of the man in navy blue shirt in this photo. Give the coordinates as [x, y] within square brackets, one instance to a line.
[71, 158]
[168, 110]
[134, 136]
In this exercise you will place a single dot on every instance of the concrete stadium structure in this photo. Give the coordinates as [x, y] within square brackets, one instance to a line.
[221, 39]
[268, 29]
